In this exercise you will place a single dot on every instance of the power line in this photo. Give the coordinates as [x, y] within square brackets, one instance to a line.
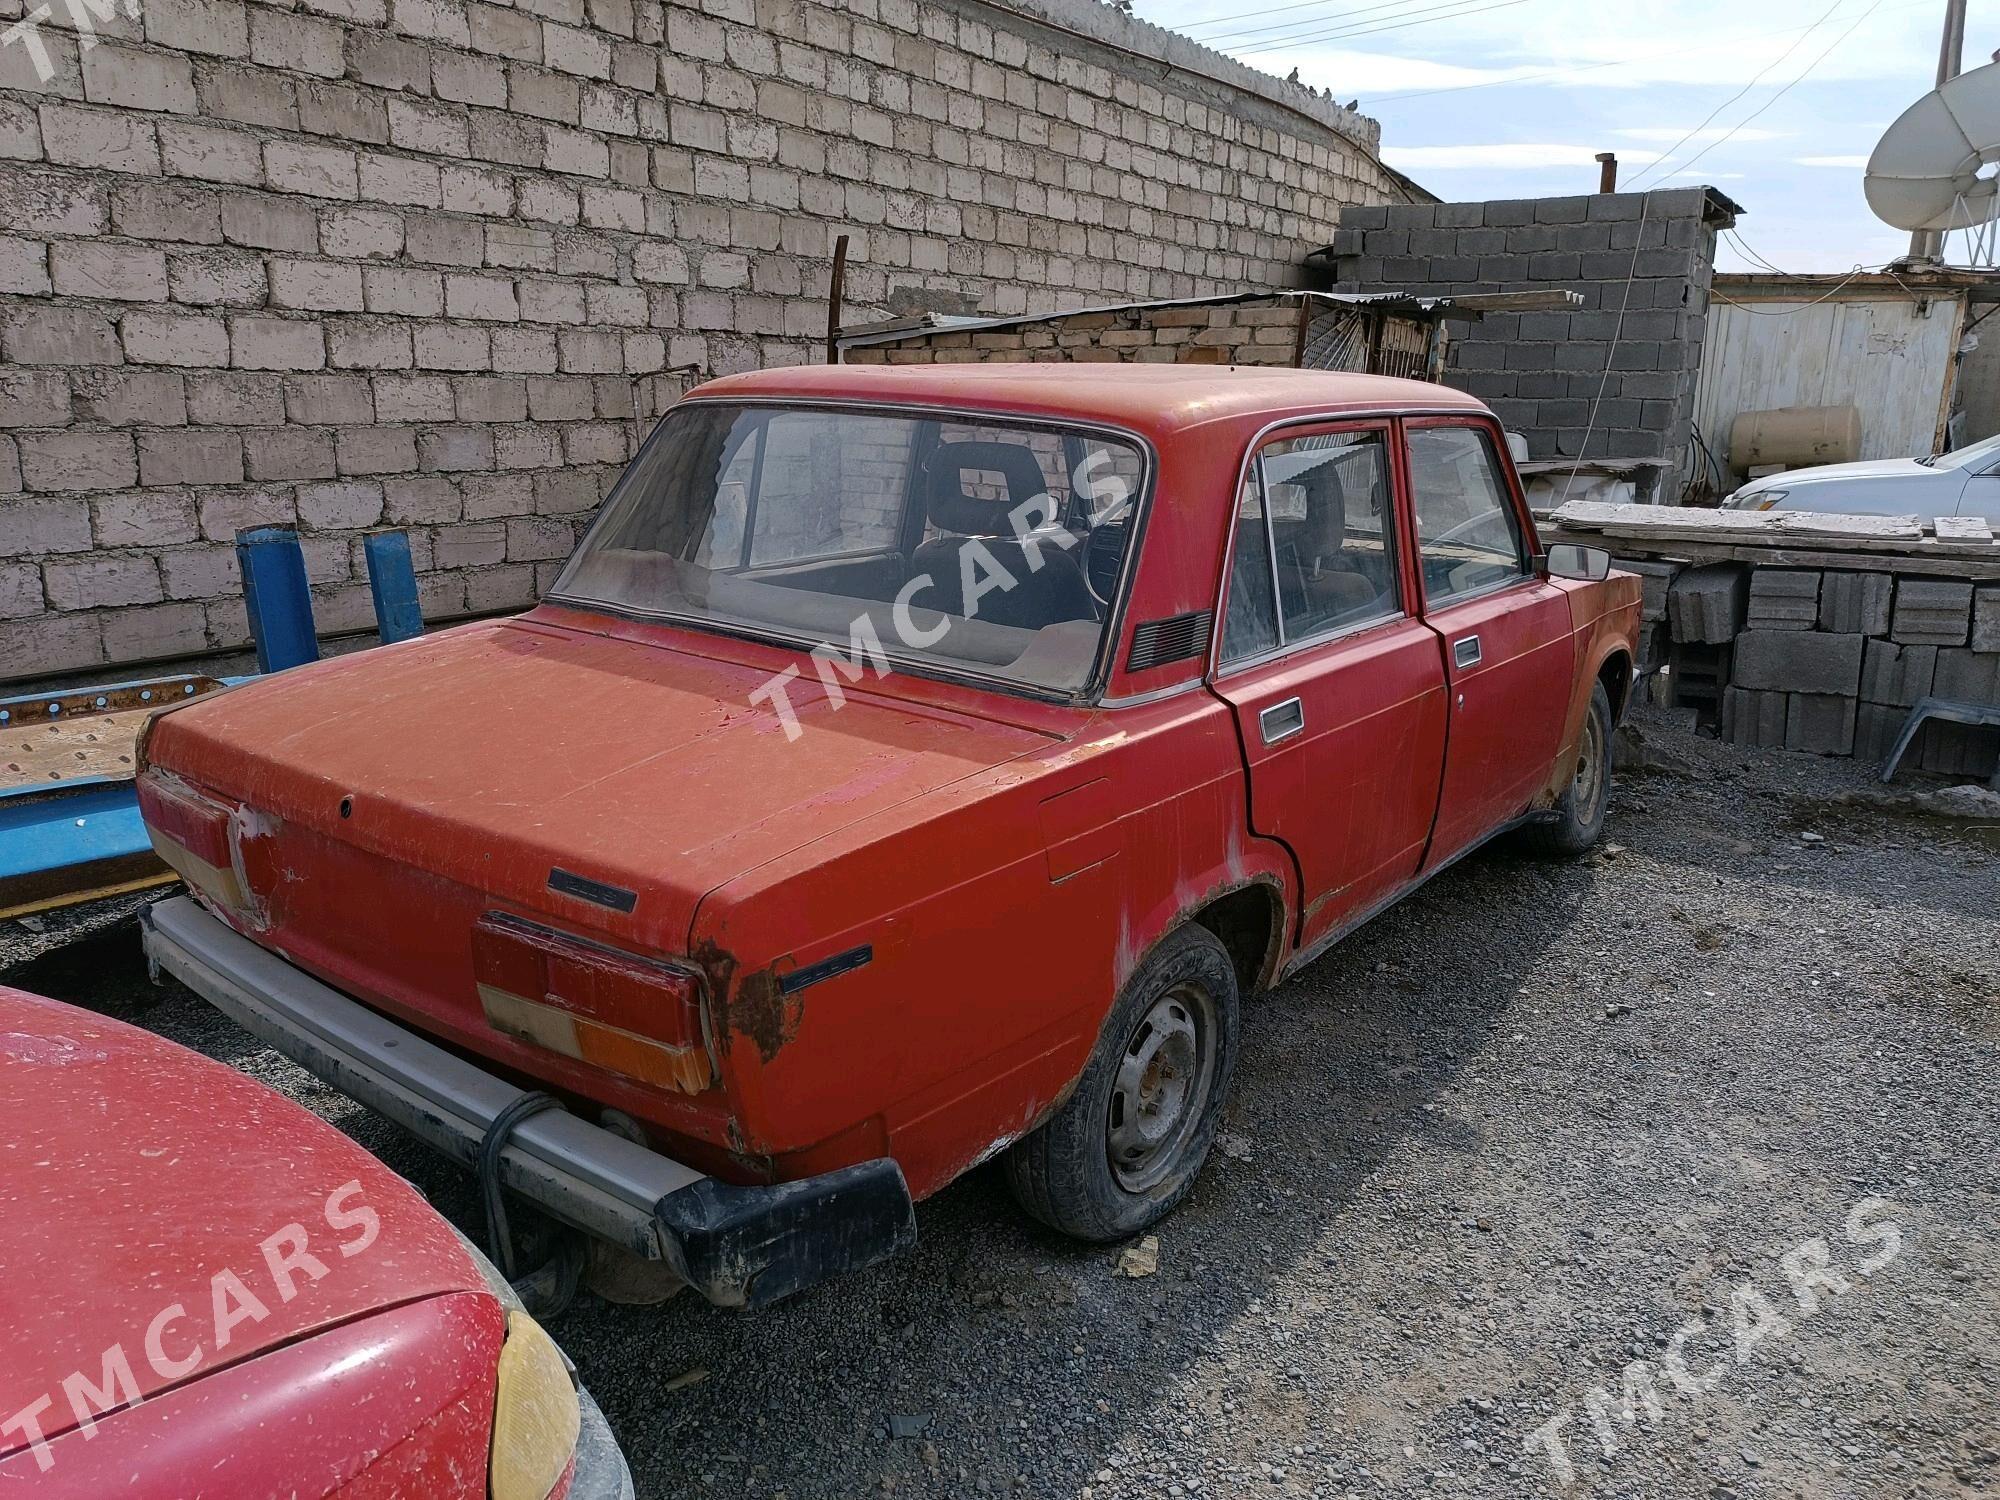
[1243, 45]
[1743, 248]
[1797, 43]
[1251, 15]
[1569, 71]
[1310, 23]
[1740, 124]
[1369, 30]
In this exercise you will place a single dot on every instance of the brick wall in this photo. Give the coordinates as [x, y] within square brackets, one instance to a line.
[1543, 372]
[435, 263]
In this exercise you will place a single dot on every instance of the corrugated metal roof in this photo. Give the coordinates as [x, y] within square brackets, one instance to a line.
[923, 325]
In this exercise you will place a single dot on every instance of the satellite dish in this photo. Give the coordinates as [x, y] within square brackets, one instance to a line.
[1925, 170]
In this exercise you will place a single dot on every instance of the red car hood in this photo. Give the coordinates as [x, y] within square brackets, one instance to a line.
[140, 1185]
[494, 754]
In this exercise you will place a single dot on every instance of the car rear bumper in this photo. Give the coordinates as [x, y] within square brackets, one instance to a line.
[737, 1246]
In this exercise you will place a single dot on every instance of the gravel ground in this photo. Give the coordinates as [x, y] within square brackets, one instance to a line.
[1493, 1149]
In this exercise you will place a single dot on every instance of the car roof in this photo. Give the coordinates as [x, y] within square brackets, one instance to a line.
[1151, 398]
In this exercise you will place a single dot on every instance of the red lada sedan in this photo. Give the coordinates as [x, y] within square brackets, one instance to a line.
[911, 766]
[210, 1294]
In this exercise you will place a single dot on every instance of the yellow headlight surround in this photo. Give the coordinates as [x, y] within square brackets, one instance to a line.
[536, 1418]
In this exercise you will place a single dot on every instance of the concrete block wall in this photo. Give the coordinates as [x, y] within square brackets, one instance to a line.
[1832, 660]
[437, 263]
[1629, 355]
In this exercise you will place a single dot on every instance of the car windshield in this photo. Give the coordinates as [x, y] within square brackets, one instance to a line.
[993, 547]
[1967, 457]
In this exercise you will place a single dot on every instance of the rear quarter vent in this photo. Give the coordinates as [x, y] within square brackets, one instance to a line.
[1158, 643]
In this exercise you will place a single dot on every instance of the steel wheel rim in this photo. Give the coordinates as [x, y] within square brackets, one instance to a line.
[1161, 1088]
[1590, 769]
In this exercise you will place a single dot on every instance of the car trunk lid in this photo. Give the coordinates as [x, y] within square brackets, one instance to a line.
[601, 782]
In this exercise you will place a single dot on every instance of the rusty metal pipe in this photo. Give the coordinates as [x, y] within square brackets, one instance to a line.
[835, 287]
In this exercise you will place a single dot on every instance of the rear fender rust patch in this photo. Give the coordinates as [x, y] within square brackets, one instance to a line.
[597, 892]
[826, 968]
[764, 1013]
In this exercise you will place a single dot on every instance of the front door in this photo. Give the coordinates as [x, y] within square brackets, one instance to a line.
[1338, 688]
[1509, 651]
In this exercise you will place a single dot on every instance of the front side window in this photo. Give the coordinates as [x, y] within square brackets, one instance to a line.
[1315, 543]
[993, 547]
[1468, 537]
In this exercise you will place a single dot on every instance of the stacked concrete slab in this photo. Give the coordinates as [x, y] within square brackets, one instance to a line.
[1832, 660]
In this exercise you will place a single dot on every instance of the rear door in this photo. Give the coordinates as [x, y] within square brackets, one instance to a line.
[1509, 651]
[1337, 686]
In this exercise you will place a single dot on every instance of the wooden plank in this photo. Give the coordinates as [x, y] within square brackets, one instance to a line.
[1925, 559]
[69, 748]
[1540, 301]
[84, 733]
[1867, 534]
[1963, 529]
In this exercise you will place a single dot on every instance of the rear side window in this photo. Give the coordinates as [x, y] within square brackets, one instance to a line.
[1315, 543]
[1469, 539]
[1252, 623]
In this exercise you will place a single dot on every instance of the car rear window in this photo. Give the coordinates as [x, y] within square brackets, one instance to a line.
[990, 546]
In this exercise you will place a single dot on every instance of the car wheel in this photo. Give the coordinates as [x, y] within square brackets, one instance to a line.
[1579, 813]
[1127, 1145]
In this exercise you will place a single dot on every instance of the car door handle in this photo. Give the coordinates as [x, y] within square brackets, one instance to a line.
[1282, 720]
[1466, 651]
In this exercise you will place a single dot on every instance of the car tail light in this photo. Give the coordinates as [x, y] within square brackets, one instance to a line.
[193, 834]
[635, 1016]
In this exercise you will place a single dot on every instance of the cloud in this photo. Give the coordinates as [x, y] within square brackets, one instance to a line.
[1855, 162]
[1503, 157]
[1702, 174]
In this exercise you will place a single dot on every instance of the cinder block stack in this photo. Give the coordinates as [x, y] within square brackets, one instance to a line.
[1831, 661]
[1783, 599]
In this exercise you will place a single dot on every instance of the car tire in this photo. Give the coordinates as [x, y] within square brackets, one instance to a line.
[1578, 820]
[1127, 1145]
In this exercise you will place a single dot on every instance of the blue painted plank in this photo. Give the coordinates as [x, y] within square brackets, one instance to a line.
[392, 580]
[276, 598]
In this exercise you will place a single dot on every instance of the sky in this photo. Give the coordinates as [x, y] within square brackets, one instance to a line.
[1777, 104]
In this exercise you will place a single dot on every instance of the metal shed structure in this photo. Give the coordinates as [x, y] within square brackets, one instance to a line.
[1885, 342]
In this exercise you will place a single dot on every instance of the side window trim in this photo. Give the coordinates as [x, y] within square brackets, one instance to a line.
[1397, 518]
[1270, 543]
[1526, 540]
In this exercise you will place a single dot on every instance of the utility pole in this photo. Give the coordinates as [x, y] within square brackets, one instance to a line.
[1928, 244]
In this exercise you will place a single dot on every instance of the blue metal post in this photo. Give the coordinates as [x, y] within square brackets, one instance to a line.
[392, 580]
[276, 597]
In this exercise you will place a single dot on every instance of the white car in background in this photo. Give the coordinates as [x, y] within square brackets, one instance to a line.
[1964, 482]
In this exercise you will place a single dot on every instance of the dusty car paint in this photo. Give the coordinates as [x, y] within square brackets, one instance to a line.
[1005, 860]
[209, 1292]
